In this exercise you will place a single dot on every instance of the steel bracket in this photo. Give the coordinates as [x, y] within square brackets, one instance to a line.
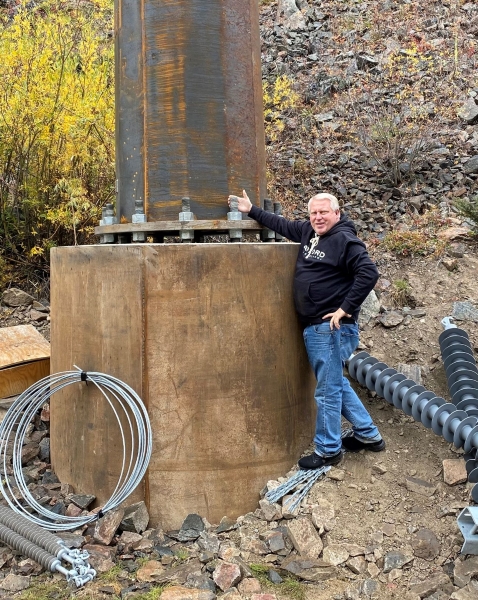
[468, 523]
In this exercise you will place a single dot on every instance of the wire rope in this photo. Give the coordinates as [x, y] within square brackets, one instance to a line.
[122, 400]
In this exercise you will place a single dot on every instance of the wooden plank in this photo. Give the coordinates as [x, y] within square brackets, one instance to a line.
[172, 226]
[207, 335]
[15, 380]
[20, 344]
[97, 297]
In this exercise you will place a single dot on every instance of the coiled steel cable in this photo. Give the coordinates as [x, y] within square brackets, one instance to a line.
[120, 397]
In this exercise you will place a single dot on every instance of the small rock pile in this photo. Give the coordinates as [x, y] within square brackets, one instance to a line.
[250, 557]
[19, 308]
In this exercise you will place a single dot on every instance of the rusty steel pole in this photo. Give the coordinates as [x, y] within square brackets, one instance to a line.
[189, 112]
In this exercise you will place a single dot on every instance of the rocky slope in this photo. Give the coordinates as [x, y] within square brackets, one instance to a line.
[385, 118]
[386, 111]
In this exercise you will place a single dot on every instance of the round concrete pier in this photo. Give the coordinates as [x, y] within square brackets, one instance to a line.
[207, 336]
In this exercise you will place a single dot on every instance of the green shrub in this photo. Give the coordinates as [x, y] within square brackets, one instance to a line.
[469, 210]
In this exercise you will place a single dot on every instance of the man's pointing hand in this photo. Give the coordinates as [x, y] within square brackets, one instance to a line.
[244, 204]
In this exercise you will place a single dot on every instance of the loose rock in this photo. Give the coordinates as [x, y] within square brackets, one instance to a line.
[16, 297]
[454, 471]
[226, 575]
[305, 538]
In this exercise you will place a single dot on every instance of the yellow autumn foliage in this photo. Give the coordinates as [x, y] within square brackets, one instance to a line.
[279, 97]
[56, 123]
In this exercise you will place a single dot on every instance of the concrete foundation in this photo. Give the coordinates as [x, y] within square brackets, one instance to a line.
[207, 336]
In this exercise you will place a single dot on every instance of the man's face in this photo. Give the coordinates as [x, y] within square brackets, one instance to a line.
[322, 217]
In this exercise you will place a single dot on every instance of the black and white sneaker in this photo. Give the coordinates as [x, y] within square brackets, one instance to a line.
[351, 444]
[314, 461]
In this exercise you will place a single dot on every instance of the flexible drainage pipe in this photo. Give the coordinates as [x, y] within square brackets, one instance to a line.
[455, 425]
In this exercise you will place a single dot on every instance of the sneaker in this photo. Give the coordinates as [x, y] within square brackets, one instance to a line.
[352, 444]
[314, 461]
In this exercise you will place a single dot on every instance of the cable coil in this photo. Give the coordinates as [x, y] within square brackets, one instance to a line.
[122, 399]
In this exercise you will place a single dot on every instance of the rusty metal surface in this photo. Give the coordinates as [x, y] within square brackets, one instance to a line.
[214, 349]
[191, 69]
[129, 134]
[176, 226]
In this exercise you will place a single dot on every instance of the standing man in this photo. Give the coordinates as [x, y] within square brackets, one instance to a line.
[333, 276]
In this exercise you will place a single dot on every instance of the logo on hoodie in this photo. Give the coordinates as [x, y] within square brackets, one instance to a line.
[310, 251]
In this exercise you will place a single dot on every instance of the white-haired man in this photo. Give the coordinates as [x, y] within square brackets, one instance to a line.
[333, 276]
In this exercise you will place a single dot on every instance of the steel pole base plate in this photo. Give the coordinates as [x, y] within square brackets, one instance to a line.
[444, 412]
[382, 380]
[407, 402]
[373, 374]
[355, 362]
[429, 410]
[391, 385]
[362, 369]
[464, 428]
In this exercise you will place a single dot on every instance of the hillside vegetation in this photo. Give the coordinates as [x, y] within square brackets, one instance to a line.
[374, 101]
[56, 125]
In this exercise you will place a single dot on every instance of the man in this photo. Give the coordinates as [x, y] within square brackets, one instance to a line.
[333, 276]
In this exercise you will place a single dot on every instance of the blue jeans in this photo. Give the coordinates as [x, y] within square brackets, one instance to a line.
[327, 351]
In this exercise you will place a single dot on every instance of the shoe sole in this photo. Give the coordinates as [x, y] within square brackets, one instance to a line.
[369, 447]
[335, 460]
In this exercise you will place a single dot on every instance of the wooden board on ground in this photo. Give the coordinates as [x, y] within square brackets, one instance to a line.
[22, 344]
[15, 380]
[24, 359]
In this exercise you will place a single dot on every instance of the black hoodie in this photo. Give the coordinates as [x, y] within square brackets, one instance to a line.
[332, 271]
